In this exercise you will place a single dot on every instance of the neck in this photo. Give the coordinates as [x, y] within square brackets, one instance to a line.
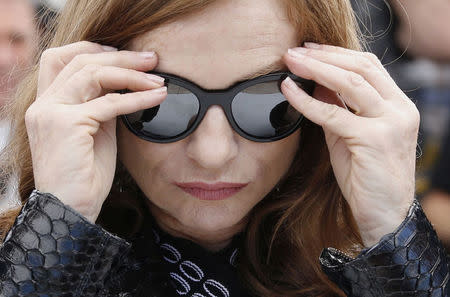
[214, 241]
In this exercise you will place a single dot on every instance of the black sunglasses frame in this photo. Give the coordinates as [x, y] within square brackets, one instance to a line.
[224, 98]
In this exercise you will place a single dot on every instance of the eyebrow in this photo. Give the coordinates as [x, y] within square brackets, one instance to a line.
[273, 67]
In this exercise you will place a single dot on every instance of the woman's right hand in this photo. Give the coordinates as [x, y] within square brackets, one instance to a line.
[72, 124]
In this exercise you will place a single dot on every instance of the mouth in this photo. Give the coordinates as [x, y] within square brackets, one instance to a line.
[215, 192]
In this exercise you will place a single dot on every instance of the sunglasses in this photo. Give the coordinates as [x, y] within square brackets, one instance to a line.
[256, 109]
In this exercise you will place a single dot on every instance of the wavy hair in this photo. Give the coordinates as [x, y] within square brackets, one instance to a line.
[290, 227]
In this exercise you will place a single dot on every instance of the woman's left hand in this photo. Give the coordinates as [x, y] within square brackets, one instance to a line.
[373, 148]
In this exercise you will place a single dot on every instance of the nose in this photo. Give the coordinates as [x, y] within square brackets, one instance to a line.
[213, 144]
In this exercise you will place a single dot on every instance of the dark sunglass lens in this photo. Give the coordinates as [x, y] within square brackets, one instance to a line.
[262, 111]
[172, 117]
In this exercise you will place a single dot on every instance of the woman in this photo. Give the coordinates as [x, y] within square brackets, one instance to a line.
[204, 201]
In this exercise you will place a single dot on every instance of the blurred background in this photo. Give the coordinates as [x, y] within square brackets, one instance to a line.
[411, 38]
[52, 4]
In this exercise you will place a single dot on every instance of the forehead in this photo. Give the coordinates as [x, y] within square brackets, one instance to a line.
[223, 43]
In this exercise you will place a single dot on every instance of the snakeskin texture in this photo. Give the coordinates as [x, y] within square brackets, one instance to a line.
[408, 262]
[51, 250]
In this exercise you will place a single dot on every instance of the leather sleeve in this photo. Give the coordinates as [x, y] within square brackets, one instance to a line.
[408, 262]
[52, 250]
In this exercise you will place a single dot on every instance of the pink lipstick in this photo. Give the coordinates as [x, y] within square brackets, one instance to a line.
[217, 191]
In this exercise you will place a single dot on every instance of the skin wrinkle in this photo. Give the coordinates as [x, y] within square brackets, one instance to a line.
[245, 43]
[214, 152]
[277, 65]
[199, 61]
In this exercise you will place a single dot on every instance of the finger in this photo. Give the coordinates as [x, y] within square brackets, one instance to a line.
[365, 64]
[345, 51]
[93, 81]
[357, 93]
[327, 115]
[113, 105]
[141, 61]
[53, 60]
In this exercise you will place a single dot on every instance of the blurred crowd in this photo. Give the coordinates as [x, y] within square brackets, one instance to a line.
[411, 38]
[22, 23]
[18, 38]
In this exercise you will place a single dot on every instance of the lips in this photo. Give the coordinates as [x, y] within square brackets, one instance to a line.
[217, 191]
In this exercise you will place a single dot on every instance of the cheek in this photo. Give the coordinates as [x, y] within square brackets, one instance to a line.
[276, 157]
[283, 151]
[141, 158]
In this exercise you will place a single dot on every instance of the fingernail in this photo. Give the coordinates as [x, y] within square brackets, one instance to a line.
[312, 45]
[301, 50]
[295, 54]
[290, 84]
[155, 78]
[147, 55]
[109, 48]
[159, 90]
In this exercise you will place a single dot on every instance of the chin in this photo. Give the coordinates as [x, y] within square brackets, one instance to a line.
[211, 218]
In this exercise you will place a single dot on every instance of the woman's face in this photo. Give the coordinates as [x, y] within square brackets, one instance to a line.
[227, 42]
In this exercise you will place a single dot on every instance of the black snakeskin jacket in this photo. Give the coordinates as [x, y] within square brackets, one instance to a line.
[51, 250]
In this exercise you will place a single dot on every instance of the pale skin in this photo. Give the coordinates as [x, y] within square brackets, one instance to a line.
[17, 43]
[372, 152]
